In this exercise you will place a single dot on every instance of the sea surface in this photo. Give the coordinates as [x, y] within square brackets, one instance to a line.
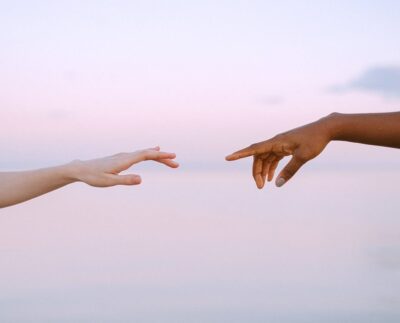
[198, 246]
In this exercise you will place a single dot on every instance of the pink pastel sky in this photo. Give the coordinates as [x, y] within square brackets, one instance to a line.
[82, 79]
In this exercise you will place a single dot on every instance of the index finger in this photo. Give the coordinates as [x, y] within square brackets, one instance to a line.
[156, 155]
[251, 150]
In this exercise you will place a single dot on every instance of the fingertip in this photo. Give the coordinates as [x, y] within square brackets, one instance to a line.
[173, 164]
[230, 158]
[134, 180]
[259, 182]
[259, 185]
[280, 181]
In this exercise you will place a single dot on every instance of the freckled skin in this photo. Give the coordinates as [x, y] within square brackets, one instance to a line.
[17, 187]
[307, 142]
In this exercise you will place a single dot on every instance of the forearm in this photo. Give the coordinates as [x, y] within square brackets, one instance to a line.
[381, 129]
[17, 187]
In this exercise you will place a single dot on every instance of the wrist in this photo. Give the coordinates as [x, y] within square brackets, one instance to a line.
[71, 171]
[332, 125]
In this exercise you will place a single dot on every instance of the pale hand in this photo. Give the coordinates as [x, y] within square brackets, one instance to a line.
[104, 172]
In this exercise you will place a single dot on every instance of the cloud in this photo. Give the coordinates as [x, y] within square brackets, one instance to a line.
[384, 80]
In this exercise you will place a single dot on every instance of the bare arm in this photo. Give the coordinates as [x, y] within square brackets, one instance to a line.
[307, 142]
[380, 129]
[17, 187]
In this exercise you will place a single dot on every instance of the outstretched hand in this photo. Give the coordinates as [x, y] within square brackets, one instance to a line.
[303, 144]
[17, 187]
[105, 172]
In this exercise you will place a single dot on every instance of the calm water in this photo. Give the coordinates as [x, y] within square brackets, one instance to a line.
[207, 247]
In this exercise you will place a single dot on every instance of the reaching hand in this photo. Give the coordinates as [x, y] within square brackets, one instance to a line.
[303, 144]
[17, 187]
[104, 172]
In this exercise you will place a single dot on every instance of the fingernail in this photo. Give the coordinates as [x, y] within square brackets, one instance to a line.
[280, 181]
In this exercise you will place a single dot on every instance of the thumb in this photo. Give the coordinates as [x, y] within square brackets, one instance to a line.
[288, 171]
[129, 179]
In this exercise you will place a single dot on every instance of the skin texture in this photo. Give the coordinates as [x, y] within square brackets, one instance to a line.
[307, 142]
[17, 187]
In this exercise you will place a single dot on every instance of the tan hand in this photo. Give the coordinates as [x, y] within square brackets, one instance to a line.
[303, 144]
[104, 172]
